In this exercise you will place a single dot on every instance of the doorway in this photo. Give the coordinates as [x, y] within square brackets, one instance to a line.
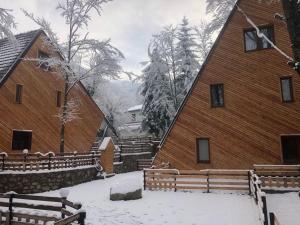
[291, 149]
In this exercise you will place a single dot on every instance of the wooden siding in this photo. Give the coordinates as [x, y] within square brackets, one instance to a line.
[247, 129]
[38, 109]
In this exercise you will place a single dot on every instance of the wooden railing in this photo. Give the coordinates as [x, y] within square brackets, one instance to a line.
[49, 161]
[172, 179]
[274, 220]
[57, 210]
[278, 176]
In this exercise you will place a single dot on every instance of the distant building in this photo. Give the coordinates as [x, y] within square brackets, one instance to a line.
[134, 124]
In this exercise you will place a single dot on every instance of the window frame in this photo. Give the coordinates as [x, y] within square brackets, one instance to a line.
[211, 96]
[198, 153]
[19, 94]
[23, 131]
[291, 89]
[258, 39]
[58, 98]
[42, 65]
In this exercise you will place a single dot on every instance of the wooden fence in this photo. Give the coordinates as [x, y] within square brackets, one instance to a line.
[278, 176]
[143, 164]
[172, 179]
[40, 210]
[36, 162]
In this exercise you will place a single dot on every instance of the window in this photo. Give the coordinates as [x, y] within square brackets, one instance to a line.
[58, 98]
[287, 89]
[21, 140]
[217, 95]
[290, 149]
[19, 90]
[44, 65]
[203, 152]
[133, 117]
[253, 42]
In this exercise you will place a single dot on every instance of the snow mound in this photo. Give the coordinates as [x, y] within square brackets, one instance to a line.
[125, 186]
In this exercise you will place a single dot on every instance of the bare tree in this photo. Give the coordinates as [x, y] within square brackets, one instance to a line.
[99, 58]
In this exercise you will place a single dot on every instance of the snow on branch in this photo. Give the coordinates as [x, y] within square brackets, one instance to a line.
[7, 23]
[70, 112]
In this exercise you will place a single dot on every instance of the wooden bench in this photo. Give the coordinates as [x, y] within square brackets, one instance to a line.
[19, 209]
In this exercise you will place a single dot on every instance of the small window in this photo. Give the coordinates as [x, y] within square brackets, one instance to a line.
[133, 117]
[203, 151]
[19, 91]
[253, 42]
[21, 140]
[58, 98]
[287, 89]
[217, 95]
[44, 65]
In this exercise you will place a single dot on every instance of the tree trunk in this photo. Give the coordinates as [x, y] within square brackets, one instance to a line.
[64, 115]
[292, 15]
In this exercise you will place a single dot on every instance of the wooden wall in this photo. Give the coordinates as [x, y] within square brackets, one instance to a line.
[38, 109]
[248, 129]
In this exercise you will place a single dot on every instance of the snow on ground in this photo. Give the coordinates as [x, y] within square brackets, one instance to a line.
[162, 207]
[286, 207]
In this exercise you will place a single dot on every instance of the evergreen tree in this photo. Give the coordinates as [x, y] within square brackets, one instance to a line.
[186, 59]
[157, 107]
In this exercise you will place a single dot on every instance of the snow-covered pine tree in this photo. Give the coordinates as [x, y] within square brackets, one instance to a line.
[187, 61]
[157, 107]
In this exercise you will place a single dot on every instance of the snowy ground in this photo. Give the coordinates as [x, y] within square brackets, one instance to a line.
[286, 207]
[162, 208]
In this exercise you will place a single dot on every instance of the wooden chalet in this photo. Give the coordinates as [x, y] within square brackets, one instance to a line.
[31, 97]
[244, 106]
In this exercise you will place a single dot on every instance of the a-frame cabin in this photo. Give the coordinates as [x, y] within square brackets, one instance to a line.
[31, 97]
[244, 106]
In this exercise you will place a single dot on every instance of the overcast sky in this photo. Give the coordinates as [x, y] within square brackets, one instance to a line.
[129, 23]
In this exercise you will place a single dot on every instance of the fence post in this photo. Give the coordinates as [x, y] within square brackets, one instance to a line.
[11, 196]
[144, 180]
[255, 190]
[207, 180]
[24, 163]
[3, 162]
[49, 162]
[93, 158]
[272, 219]
[249, 182]
[63, 206]
[175, 187]
[265, 210]
[82, 216]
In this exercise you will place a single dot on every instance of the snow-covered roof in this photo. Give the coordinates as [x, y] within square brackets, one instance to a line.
[9, 53]
[135, 108]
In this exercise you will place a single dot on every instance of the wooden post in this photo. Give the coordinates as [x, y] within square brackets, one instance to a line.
[93, 158]
[82, 216]
[11, 196]
[207, 180]
[49, 162]
[3, 162]
[24, 163]
[63, 206]
[144, 180]
[175, 188]
[272, 218]
[249, 182]
[265, 210]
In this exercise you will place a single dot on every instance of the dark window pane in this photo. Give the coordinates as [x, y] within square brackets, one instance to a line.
[21, 140]
[251, 40]
[19, 90]
[217, 95]
[257, 42]
[287, 89]
[203, 150]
